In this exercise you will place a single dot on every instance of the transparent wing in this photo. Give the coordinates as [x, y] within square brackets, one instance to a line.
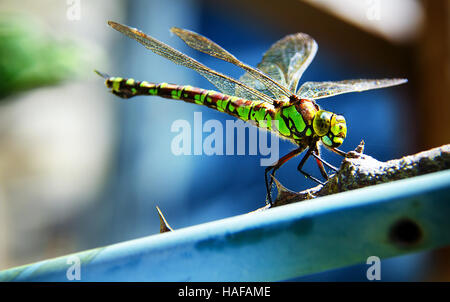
[224, 83]
[286, 61]
[262, 82]
[318, 90]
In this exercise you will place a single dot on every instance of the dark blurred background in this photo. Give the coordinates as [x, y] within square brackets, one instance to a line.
[80, 168]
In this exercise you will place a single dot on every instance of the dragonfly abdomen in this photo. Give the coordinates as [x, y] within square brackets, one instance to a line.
[235, 106]
[291, 122]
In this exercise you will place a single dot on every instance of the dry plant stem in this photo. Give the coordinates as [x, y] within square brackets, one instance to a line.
[359, 170]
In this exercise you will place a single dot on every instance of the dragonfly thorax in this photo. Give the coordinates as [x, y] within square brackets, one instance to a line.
[330, 127]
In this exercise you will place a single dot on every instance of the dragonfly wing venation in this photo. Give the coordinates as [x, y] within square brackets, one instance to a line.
[318, 90]
[249, 80]
[264, 83]
[203, 44]
[225, 84]
[286, 60]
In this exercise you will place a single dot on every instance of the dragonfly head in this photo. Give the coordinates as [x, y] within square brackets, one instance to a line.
[330, 127]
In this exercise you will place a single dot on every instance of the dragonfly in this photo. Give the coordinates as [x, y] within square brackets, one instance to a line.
[267, 96]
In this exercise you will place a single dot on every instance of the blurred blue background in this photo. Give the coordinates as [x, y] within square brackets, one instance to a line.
[138, 169]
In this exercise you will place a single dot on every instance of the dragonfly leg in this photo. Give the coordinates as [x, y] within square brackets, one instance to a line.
[340, 152]
[302, 163]
[320, 162]
[321, 168]
[275, 167]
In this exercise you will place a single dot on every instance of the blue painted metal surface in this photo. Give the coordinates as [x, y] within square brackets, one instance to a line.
[278, 244]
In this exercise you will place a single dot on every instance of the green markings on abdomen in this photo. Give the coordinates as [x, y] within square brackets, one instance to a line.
[289, 122]
[127, 88]
[263, 115]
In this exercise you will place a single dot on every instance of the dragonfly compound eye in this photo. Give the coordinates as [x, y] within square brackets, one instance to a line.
[322, 122]
[338, 131]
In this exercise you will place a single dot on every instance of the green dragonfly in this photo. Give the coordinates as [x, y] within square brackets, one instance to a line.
[267, 95]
